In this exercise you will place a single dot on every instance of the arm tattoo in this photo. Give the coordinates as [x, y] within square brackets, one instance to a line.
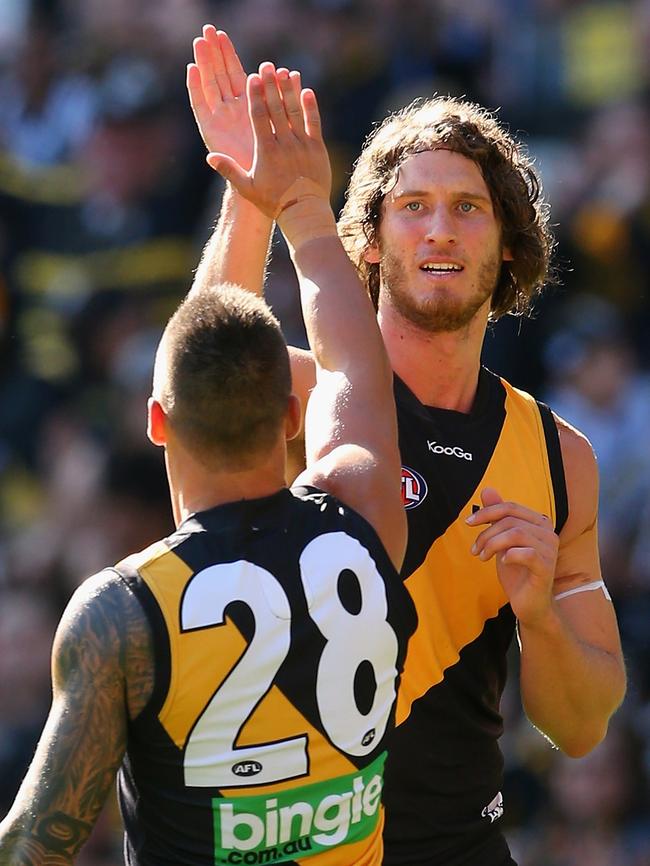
[102, 637]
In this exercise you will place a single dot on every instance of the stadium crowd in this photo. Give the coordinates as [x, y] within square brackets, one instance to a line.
[105, 202]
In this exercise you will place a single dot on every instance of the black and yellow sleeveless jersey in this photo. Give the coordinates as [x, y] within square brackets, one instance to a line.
[444, 771]
[280, 626]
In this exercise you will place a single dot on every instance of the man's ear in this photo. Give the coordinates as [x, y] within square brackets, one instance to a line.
[371, 254]
[293, 418]
[156, 422]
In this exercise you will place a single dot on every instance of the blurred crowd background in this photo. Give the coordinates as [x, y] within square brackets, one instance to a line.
[105, 203]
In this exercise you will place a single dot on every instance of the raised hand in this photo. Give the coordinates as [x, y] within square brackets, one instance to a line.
[216, 84]
[525, 546]
[290, 160]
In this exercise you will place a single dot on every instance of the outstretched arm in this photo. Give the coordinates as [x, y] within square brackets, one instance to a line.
[238, 248]
[351, 427]
[572, 669]
[84, 739]
[216, 83]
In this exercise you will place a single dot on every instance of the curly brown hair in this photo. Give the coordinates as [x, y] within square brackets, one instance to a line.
[515, 188]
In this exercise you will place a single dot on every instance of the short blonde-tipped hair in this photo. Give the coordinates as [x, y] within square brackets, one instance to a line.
[222, 376]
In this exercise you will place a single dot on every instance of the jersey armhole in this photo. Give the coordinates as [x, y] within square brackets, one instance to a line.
[370, 538]
[556, 466]
[161, 652]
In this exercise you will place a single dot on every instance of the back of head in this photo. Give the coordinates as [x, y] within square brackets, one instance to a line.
[223, 378]
[465, 128]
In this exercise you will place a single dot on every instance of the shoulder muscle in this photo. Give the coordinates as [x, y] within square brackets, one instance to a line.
[578, 558]
[581, 473]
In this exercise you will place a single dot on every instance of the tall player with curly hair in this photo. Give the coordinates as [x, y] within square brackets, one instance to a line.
[446, 224]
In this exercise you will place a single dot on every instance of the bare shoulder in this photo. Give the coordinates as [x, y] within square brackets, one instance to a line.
[89, 633]
[105, 636]
[581, 474]
[99, 615]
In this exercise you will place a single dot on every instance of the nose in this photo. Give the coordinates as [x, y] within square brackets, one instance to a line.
[441, 228]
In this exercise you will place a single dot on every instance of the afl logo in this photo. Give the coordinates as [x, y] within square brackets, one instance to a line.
[414, 488]
[247, 768]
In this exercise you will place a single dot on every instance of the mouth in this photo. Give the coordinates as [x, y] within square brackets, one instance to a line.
[441, 268]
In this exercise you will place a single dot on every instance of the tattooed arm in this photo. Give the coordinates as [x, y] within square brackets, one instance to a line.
[101, 674]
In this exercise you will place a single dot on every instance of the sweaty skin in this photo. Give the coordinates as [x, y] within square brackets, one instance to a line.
[102, 642]
[439, 247]
[102, 660]
[433, 326]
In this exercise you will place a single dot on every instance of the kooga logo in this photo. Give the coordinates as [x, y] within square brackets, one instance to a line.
[448, 450]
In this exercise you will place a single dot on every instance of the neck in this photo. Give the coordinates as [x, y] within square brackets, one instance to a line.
[194, 488]
[440, 368]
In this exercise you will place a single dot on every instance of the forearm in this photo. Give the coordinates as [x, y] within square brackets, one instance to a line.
[351, 362]
[339, 317]
[84, 739]
[237, 251]
[570, 687]
[63, 792]
[44, 843]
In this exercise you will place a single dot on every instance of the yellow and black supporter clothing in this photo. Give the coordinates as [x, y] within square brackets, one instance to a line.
[280, 626]
[443, 794]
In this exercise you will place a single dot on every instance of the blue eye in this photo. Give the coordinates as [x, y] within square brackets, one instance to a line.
[413, 206]
[466, 206]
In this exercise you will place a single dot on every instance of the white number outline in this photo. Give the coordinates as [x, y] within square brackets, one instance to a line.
[210, 751]
[350, 638]
[210, 757]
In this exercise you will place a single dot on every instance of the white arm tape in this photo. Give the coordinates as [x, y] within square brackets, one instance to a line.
[586, 587]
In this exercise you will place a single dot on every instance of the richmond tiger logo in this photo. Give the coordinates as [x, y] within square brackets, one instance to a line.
[414, 488]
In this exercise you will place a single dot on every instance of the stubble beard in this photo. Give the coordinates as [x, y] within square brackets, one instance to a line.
[440, 312]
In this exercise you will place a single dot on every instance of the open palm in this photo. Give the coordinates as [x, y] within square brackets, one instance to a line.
[216, 84]
[290, 160]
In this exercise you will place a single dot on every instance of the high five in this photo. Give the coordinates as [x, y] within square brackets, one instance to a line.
[240, 676]
[445, 223]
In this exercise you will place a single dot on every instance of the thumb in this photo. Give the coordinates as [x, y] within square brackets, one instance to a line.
[489, 496]
[229, 170]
